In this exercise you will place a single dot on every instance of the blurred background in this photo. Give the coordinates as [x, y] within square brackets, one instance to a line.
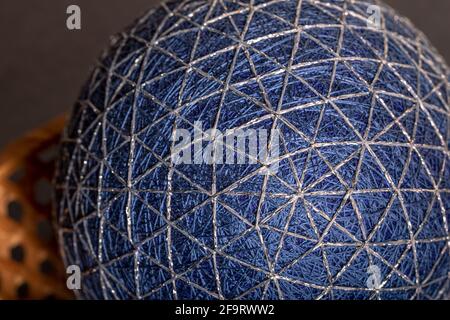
[43, 64]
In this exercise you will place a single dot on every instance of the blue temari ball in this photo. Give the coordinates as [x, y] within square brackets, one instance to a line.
[334, 182]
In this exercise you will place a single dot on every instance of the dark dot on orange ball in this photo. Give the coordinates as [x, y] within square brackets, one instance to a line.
[23, 291]
[46, 267]
[17, 253]
[15, 211]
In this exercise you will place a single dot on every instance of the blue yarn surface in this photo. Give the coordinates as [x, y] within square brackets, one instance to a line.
[363, 180]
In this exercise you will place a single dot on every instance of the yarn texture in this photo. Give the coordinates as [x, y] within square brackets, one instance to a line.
[359, 205]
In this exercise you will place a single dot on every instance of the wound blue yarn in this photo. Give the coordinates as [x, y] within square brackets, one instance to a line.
[359, 206]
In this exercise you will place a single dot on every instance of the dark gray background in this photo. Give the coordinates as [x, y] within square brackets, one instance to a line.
[43, 65]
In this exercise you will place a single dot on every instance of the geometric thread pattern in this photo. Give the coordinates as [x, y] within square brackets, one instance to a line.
[364, 175]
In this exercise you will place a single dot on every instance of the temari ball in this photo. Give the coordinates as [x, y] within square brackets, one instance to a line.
[359, 205]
